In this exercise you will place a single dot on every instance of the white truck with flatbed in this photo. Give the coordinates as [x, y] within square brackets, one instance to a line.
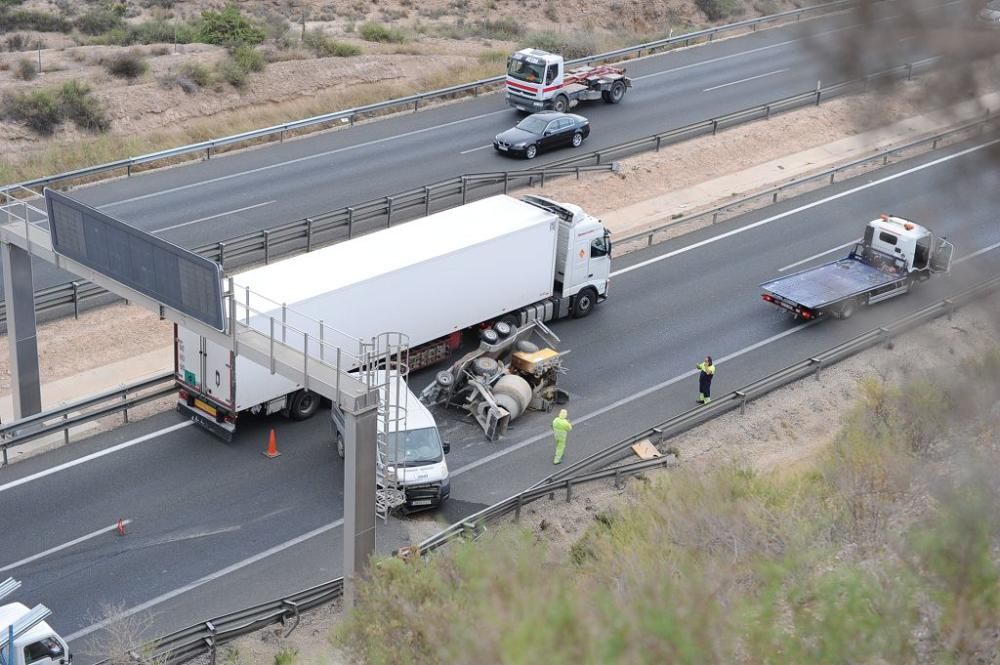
[894, 254]
[538, 80]
[497, 259]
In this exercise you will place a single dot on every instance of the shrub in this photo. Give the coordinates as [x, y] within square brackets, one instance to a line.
[231, 72]
[228, 27]
[19, 42]
[99, 21]
[569, 46]
[249, 59]
[376, 32]
[23, 19]
[157, 30]
[126, 65]
[78, 104]
[163, 4]
[326, 47]
[10, 3]
[493, 57]
[503, 29]
[716, 10]
[25, 69]
[193, 76]
[38, 109]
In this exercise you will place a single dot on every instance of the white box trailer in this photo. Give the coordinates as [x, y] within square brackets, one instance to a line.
[499, 258]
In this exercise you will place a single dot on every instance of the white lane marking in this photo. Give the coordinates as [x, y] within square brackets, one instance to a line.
[60, 548]
[625, 400]
[976, 253]
[795, 211]
[83, 632]
[482, 147]
[468, 467]
[816, 256]
[215, 216]
[87, 458]
[750, 78]
[297, 160]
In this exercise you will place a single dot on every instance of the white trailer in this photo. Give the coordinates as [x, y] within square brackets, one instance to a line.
[431, 279]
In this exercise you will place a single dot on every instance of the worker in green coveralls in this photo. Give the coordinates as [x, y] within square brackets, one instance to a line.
[560, 428]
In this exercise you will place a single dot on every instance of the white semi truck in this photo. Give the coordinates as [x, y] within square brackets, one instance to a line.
[894, 254]
[39, 645]
[538, 80]
[497, 259]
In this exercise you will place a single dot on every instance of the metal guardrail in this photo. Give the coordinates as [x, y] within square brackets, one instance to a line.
[350, 116]
[823, 178]
[207, 636]
[72, 414]
[326, 228]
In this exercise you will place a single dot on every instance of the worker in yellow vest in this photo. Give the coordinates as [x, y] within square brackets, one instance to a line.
[560, 428]
[705, 380]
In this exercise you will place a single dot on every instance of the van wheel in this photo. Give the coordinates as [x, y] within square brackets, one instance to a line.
[585, 302]
[305, 404]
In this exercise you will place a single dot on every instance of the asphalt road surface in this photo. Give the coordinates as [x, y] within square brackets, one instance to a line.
[257, 189]
[215, 527]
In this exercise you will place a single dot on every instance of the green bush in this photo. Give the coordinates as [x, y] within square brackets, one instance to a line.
[78, 104]
[376, 32]
[158, 31]
[231, 72]
[24, 19]
[249, 59]
[26, 69]
[493, 57]
[327, 47]
[228, 28]
[193, 76]
[99, 21]
[569, 46]
[38, 109]
[10, 3]
[504, 29]
[126, 65]
[716, 10]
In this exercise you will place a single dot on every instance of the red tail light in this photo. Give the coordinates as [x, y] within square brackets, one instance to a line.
[767, 297]
[806, 314]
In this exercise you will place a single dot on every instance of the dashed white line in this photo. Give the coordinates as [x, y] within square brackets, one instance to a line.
[482, 147]
[215, 216]
[60, 548]
[976, 253]
[816, 256]
[749, 78]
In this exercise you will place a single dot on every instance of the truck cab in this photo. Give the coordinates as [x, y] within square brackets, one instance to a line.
[415, 454]
[39, 645]
[583, 257]
[913, 248]
[533, 76]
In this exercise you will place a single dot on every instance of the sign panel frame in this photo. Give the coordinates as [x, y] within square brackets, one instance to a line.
[171, 275]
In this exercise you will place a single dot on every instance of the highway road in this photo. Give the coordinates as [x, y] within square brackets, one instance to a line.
[216, 526]
[261, 188]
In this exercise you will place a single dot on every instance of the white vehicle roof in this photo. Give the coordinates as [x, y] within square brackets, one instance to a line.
[311, 274]
[898, 226]
[418, 416]
[12, 612]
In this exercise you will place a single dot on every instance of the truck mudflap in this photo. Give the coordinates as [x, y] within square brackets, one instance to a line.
[222, 430]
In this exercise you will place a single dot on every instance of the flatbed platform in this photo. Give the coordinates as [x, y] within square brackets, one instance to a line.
[824, 285]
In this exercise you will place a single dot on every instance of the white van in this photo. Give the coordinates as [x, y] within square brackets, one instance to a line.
[422, 468]
[39, 646]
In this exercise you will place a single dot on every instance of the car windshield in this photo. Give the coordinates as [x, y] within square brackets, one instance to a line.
[523, 70]
[533, 125]
[419, 446]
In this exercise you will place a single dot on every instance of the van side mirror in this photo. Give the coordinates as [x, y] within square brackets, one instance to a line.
[446, 447]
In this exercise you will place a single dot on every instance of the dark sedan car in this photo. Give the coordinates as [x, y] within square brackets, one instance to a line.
[543, 131]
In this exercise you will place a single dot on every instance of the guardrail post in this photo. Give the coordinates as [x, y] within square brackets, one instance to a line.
[464, 189]
[281, 135]
[832, 175]
[743, 401]
[542, 185]
[598, 155]
[3, 449]
[819, 366]
[222, 254]
[715, 127]
[819, 91]
[208, 152]
[416, 105]
[618, 479]
[517, 508]
[949, 307]
[427, 200]
[210, 640]
[76, 300]
[125, 399]
[309, 234]
[715, 216]
[569, 490]
[388, 211]
[65, 431]
[774, 196]
[350, 223]
[506, 181]
[350, 119]
[909, 71]
[267, 247]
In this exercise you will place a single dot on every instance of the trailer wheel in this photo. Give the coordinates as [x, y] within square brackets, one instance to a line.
[560, 104]
[846, 309]
[584, 302]
[616, 93]
[305, 403]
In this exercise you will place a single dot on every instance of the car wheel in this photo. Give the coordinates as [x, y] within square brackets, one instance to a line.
[560, 104]
[530, 152]
[577, 139]
[584, 303]
[305, 403]
[616, 93]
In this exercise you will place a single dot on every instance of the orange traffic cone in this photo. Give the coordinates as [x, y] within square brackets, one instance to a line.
[272, 447]
[121, 526]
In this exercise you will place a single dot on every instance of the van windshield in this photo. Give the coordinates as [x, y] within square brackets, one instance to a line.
[419, 446]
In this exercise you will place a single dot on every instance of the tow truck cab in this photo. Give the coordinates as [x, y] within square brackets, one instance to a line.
[919, 250]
